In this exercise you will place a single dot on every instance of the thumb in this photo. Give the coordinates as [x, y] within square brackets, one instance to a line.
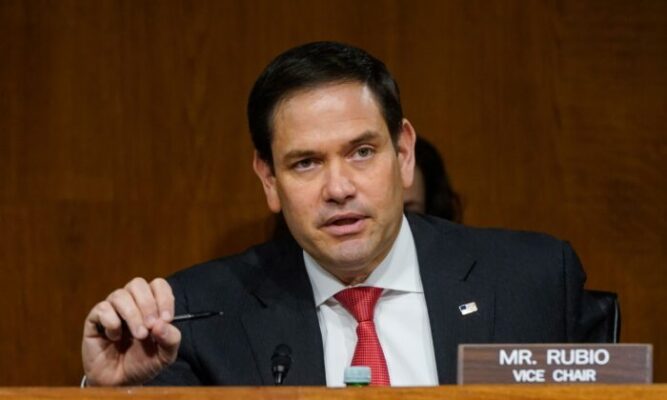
[168, 339]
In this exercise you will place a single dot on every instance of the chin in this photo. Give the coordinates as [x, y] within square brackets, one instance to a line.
[351, 256]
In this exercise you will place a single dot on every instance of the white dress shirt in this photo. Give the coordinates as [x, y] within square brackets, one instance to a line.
[401, 317]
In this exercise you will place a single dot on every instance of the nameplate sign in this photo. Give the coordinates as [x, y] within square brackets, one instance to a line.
[555, 363]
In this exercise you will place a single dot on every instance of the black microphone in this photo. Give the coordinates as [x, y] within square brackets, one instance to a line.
[281, 360]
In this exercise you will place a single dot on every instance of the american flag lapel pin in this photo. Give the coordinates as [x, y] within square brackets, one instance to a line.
[468, 308]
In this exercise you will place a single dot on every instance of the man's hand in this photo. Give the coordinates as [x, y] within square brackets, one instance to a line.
[128, 338]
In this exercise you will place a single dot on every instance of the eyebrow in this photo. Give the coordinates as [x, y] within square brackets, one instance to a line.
[296, 154]
[362, 138]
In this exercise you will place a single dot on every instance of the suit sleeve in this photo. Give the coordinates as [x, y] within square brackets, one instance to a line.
[583, 319]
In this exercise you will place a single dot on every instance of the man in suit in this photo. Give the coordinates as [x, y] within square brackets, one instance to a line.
[334, 154]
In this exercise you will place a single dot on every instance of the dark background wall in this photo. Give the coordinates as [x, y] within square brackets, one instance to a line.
[124, 148]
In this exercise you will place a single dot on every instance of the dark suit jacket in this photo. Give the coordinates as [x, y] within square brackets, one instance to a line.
[527, 287]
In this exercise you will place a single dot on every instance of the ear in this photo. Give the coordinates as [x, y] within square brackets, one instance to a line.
[405, 146]
[268, 178]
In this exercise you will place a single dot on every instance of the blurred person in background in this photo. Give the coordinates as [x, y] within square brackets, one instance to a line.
[431, 191]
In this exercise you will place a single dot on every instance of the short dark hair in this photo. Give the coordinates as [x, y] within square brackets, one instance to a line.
[312, 65]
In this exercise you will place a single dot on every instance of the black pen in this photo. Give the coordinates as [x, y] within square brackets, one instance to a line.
[199, 315]
[178, 318]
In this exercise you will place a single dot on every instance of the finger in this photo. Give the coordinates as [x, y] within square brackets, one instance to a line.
[164, 298]
[124, 304]
[110, 322]
[103, 321]
[168, 339]
[144, 299]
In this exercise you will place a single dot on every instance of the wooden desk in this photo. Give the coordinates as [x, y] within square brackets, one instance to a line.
[477, 392]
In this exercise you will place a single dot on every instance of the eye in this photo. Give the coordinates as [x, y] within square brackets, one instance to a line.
[364, 152]
[303, 165]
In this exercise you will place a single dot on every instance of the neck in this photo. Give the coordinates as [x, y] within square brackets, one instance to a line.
[354, 279]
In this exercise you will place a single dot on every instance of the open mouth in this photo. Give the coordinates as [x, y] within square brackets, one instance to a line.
[343, 225]
[345, 221]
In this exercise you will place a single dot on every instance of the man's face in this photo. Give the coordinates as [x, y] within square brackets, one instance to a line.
[337, 177]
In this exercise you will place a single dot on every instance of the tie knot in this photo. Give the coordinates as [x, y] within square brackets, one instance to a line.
[360, 301]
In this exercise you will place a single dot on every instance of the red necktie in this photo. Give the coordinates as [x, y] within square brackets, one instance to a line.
[360, 302]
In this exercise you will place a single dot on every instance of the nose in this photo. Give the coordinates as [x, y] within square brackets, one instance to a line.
[339, 186]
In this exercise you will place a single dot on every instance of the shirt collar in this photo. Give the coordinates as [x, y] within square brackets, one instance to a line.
[398, 271]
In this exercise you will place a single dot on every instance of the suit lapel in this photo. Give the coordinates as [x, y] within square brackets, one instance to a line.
[285, 314]
[447, 273]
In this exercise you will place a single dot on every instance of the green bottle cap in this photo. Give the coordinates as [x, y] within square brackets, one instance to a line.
[357, 375]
